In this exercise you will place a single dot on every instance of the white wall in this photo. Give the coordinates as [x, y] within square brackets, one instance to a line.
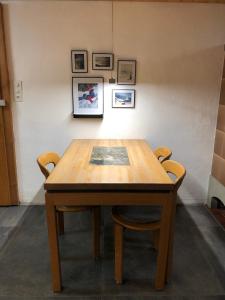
[179, 53]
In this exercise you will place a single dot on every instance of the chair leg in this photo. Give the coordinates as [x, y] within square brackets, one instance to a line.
[118, 233]
[96, 217]
[155, 234]
[170, 249]
[60, 222]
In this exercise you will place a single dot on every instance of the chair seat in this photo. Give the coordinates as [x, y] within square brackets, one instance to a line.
[64, 208]
[137, 217]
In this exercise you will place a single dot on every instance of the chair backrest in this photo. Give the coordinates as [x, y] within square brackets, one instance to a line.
[162, 153]
[175, 168]
[45, 159]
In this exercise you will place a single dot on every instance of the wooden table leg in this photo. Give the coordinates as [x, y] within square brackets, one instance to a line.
[118, 236]
[96, 220]
[171, 238]
[53, 245]
[162, 257]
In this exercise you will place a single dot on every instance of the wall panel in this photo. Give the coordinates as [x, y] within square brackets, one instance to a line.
[179, 66]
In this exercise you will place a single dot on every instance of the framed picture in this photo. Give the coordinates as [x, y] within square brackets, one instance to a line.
[79, 61]
[123, 98]
[88, 97]
[102, 61]
[126, 72]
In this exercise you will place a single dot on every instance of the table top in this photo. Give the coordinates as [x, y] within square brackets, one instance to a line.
[75, 172]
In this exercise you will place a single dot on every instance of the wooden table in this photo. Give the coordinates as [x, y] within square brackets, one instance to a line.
[75, 181]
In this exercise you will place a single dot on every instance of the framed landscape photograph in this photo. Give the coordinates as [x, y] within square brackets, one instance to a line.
[102, 61]
[88, 97]
[126, 72]
[123, 98]
[79, 61]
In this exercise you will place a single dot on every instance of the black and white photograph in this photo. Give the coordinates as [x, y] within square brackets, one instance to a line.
[102, 61]
[126, 72]
[79, 61]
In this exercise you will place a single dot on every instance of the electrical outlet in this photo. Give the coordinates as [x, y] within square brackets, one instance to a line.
[18, 88]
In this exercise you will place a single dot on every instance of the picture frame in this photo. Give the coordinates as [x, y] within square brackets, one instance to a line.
[102, 61]
[123, 98]
[126, 72]
[79, 61]
[88, 97]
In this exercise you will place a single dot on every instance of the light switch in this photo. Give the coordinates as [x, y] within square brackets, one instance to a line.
[18, 91]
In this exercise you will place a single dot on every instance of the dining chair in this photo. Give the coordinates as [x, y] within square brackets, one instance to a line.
[162, 153]
[51, 158]
[142, 218]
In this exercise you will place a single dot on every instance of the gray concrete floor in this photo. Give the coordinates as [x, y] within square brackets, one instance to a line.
[199, 258]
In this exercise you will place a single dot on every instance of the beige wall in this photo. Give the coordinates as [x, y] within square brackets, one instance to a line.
[179, 52]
